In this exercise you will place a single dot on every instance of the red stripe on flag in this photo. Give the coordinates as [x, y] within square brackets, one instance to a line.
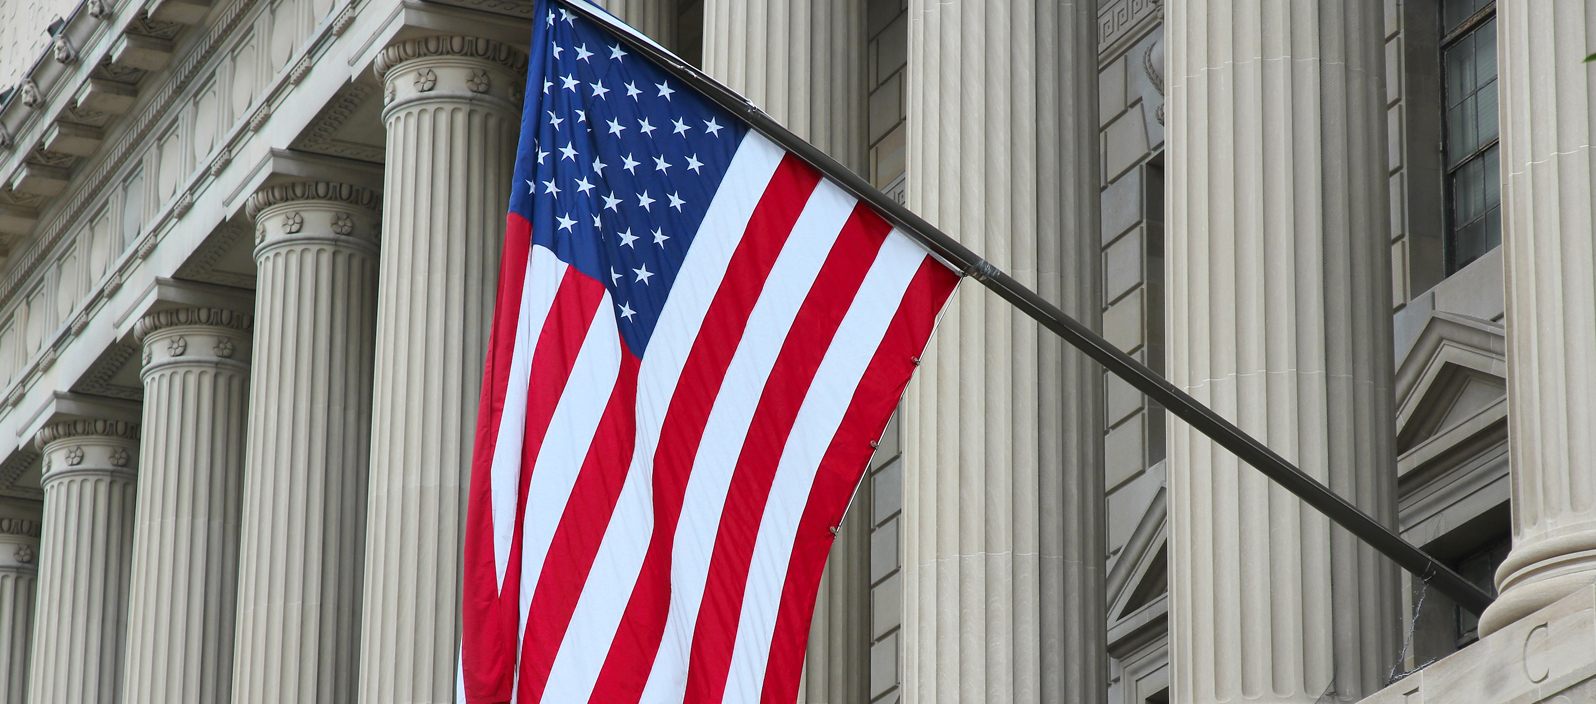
[637, 639]
[803, 349]
[581, 530]
[488, 646]
[844, 464]
[553, 356]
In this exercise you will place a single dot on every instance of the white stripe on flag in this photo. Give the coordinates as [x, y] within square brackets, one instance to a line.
[772, 316]
[571, 429]
[543, 274]
[830, 394]
[620, 556]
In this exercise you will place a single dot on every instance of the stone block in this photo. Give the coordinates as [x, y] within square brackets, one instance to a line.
[1393, 73]
[1121, 399]
[1124, 143]
[1122, 207]
[883, 666]
[886, 606]
[886, 492]
[886, 107]
[892, 49]
[1122, 322]
[189, 12]
[883, 550]
[1122, 266]
[1393, 145]
[38, 180]
[886, 158]
[1111, 92]
[141, 52]
[1123, 456]
[101, 95]
[68, 138]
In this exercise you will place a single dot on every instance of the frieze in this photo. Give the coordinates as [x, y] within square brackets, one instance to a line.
[470, 47]
[213, 317]
[312, 190]
[1121, 22]
[68, 429]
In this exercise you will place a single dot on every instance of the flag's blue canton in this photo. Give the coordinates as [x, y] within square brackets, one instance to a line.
[617, 165]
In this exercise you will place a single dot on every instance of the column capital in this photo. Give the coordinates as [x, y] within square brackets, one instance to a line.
[19, 544]
[324, 191]
[451, 69]
[100, 447]
[456, 46]
[194, 335]
[315, 210]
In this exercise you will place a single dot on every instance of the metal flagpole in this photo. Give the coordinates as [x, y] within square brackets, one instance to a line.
[1200, 417]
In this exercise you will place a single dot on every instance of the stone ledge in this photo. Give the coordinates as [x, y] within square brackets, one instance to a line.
[1549, 656]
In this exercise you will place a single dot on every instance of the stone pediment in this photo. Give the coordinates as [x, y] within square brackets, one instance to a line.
[1452, 384]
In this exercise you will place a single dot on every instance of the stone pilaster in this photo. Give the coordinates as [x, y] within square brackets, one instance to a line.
[19, 577]
[304, 515]
[185, 547]
[803, 62]
[90, 471]
[453, 115]
[1548, 103]
[1002, 428]
[1279, 318]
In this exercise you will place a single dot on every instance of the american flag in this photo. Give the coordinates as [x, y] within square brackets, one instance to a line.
[698, 340]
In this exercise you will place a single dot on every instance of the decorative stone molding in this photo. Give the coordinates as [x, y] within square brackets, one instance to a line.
[260, 117]
[223, 158]
[468, 47]
[30, 93]
[300, 70]
[100, 9]
[345, 18]
[182, 206]
[61, 48]
[426, 80]
[312, 191]
[214, 317]
[321, 136]
[19, 526]
[69, 429]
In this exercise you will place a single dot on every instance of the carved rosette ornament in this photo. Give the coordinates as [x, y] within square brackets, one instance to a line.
[315, 209]
[166, 335]
[450, 68]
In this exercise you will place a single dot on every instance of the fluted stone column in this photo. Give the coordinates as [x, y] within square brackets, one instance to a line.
[1279, 317]
[453, 115]
[1548, 121]
[803, 62]
[19, 577]
[90, 472]
[1002, 429]
[655, 18]
[304, 521]
[185, 547]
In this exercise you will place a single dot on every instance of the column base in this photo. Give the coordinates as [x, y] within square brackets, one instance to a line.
[1539, 573]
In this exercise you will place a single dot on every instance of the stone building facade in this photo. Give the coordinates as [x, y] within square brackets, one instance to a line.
[249, 253]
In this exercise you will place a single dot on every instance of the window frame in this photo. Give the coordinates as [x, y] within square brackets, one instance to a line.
[1446, 40]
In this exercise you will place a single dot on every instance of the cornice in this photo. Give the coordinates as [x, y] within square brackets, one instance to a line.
[312, 190]
[86, 428]
[468, 47]
[215, 317]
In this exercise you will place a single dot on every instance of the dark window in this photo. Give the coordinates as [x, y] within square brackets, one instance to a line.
[1478, 567]
[1473, 182]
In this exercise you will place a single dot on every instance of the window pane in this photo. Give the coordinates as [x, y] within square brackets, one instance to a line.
[1468, 192]
[1485, 51]
[1459, 66]
[1487, 112]
[1493, 179]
